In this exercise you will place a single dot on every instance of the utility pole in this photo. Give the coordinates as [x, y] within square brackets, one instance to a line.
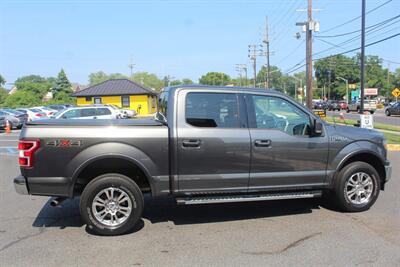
[131, 66]
[266, 42]
[242, 68]
[253, 56]
[309, 55]
[309, 26]
[362, 81]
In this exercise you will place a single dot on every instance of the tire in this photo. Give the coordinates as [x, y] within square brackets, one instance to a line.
[118, 186]
[343, 187]
[347, 110]
[371, 112]
[387, 112]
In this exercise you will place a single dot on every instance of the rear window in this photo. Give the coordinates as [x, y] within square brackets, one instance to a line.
[103, 111]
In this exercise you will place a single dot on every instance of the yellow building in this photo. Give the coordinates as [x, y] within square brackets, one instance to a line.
[123, 93]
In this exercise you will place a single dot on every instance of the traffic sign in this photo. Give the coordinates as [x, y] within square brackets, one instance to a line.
[396, 92]
[367, 121]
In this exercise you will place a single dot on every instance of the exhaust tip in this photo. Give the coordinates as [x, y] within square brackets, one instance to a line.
[55, 202]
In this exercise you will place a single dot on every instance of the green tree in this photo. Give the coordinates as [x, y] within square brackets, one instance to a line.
[148, 80]
[62, 84]
[101, 76]
[3, 95]
[2, 81]
[62, 98]
[187, 81]
[22, 98]
[31, 79]
[215, 78]
[38, 89]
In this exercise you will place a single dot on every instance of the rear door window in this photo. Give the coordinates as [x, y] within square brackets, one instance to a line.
[103, 111]
[88, 112]
[216, 110]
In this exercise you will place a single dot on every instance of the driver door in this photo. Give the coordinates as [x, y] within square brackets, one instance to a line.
[284, 155]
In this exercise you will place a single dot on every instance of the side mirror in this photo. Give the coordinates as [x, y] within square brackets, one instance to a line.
[317, 127]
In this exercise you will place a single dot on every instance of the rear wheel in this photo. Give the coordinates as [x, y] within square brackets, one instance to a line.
[357, 187]
[111, 204]
[387, 112]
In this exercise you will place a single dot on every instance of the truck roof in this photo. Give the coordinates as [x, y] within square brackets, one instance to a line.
[211, 87]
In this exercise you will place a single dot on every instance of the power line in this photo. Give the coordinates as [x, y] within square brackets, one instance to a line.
[294, 68]
[356, 18]
[352, 32]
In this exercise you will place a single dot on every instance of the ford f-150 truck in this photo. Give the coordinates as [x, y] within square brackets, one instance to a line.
[204, 145]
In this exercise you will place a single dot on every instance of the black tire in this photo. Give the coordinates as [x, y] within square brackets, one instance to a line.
[387, 112]
[347, 110]
[119, 182]
[371, 112]
[339, 195]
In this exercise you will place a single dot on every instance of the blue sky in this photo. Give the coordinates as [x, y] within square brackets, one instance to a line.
[184, 39]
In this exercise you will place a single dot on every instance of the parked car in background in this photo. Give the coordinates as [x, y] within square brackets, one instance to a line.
[33, 113]
[369, 106]
[2, 122]
[333, 105]
[49, 112]
[343, 105]
[88, 112]
[117, 110]
[129, 113]
[320, 105]
[393, 109]
[57, 107]
[15, 118]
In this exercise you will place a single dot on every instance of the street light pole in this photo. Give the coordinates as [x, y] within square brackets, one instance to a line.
[347, 87]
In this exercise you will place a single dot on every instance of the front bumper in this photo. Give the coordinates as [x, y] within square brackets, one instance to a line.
[20, 185]
[388, 171]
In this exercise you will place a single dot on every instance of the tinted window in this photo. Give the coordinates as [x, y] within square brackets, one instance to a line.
[74, 113]
[125, 101]
[277, 113]
[88, 112]
[103, 111]
[212, 110]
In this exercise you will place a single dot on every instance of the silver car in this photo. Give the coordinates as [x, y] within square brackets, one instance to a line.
[15, 118]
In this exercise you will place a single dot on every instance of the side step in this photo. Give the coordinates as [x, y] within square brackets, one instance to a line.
[247, 198]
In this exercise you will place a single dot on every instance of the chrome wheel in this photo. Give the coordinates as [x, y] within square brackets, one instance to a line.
[359, 188]
[112, 206]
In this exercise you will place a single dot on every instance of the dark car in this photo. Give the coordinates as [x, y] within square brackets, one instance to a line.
[320, 105]
[333, 105]
[57, 107]
[2, 122]
[204, 145]
[393, 109]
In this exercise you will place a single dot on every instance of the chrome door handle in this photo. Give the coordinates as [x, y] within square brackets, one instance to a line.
[262, 143]
[191, 143]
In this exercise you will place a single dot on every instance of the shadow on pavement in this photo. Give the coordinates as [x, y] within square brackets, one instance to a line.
[165, 209]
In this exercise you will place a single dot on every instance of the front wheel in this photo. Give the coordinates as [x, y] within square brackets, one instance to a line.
[111, 204]
[347, 110]
[387, 112]
[357, 187]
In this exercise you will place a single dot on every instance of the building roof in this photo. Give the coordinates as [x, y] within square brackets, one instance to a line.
[115, 87]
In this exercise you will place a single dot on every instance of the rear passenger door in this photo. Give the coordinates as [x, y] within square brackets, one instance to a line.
[88, 113]
[213, 145]
[103, 113]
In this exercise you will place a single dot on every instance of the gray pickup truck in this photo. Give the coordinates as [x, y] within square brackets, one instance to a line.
[204, 145]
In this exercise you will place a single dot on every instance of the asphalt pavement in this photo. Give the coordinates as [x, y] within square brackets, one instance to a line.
[379, 116]
[284, 233]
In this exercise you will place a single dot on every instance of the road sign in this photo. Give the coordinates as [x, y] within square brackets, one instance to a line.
[320, 112]
[396, 92]
[367, 121]
[371, 91]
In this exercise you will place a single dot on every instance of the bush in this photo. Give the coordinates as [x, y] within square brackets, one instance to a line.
[22, 99]
[379, 106]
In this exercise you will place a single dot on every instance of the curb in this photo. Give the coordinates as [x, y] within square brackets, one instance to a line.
[393, 147]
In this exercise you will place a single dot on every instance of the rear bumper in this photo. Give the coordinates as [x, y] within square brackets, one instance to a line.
[20, 185]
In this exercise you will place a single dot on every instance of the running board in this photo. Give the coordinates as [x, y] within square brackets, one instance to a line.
[247, 198]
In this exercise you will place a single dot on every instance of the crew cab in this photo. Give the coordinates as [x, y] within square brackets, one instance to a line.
[204, 145]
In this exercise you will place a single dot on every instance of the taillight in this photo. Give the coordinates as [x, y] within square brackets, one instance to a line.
[39, 115]
[26, 150]
[51, 113]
